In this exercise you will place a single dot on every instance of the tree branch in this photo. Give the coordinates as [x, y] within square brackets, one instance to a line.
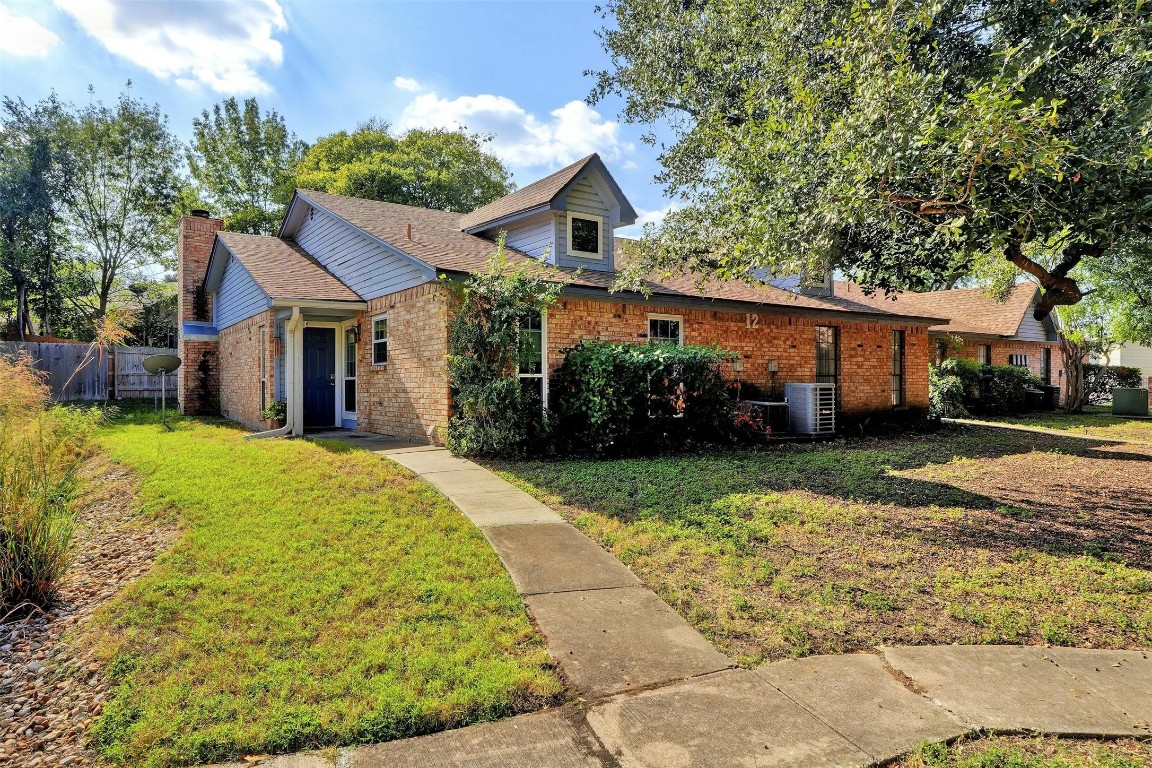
[1057, 289]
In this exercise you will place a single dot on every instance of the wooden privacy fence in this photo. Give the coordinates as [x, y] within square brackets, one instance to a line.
[117, 374]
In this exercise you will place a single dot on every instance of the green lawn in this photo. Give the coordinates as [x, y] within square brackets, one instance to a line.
[970, 535]
[1023, 752]
[317, 595]
[1096, 421]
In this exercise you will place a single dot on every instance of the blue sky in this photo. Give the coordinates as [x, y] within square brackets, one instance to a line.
[514, 69]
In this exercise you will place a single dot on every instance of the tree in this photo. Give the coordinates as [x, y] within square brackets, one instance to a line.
[243, 164]
[445, 170]
[36, 169]
[126, 183]
[906, 143]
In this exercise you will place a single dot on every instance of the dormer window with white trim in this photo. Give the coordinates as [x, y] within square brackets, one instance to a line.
[584, 236]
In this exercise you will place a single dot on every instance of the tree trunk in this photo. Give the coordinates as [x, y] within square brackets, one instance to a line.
[1075, 396]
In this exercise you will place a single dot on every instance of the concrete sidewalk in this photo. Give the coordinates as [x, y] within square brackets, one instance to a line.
[653, 692]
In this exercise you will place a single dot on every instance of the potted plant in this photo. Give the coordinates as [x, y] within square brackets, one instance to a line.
[276, 412]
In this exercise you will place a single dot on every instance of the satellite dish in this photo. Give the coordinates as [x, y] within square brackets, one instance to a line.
[157, 364]
[160, 365]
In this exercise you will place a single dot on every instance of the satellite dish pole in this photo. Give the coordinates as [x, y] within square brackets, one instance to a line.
[159, 365]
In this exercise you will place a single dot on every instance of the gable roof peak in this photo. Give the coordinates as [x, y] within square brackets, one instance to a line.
[542, 193]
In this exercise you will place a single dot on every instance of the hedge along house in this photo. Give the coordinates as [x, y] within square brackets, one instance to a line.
[344, 315]
[983, 328]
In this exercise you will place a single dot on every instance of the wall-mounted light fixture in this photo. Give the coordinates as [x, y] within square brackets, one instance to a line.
[355, 333]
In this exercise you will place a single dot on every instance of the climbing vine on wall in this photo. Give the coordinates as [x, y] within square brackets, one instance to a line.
[493, 414]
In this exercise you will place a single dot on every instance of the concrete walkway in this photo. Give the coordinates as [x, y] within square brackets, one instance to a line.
[653, 692]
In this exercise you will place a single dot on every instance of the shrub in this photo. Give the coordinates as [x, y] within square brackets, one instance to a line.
[949, 385]
[1004, 388]
[493, 413]
[41, 447]
[622, 398]
[958, 388]
[1100, 380]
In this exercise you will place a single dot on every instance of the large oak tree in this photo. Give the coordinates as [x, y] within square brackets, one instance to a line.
[908, 143]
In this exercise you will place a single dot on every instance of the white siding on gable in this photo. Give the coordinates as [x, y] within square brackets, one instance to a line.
[355, 259]
[583, 198]
[239, 297]
[533, 236]
[1032, 329]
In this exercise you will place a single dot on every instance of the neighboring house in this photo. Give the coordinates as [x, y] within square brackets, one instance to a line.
[1133, 356]
[983, 328]
[344, 315]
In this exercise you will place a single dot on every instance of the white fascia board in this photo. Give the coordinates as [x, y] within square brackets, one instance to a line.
[510, 218]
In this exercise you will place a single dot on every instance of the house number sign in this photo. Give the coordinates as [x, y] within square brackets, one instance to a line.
[752, 320]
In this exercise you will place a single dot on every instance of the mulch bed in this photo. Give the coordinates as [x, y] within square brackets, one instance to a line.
[50, 691]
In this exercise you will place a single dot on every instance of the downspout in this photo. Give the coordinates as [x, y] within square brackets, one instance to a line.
[289, 375]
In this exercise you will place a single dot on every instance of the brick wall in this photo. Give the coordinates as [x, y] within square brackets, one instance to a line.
[1001, 349]
[239, 363]
[408, 396]
[198, 384]
[865, 348]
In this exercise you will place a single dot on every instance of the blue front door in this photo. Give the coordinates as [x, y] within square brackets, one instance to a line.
[319, 377]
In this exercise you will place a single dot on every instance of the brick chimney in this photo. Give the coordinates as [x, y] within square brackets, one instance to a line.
[199, 380]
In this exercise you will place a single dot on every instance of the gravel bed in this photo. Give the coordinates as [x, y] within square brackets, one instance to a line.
[50, 689]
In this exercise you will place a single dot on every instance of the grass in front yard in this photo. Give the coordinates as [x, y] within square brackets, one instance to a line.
[969, 535]
[1096, 421]
[317, 596]
[1024, 752]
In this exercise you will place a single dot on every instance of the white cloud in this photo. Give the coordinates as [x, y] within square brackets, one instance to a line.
[217, 45]
[521, 139]
[407, 84]
[22, 36]
[646, 216]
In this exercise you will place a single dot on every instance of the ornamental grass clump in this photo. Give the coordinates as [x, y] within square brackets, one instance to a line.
[41, 448]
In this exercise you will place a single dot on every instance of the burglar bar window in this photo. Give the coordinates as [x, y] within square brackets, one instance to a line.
[897, 368]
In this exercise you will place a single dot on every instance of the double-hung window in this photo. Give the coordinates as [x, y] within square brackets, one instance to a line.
[380, 340]
[1020, 361]
[530, 365]
[665, 329]
[985, 357]
[1046, 365]
[897, 369]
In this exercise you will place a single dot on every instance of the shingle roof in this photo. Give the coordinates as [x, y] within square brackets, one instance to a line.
[534, 195]
[969, 310]
[283, 270]
[438, 242]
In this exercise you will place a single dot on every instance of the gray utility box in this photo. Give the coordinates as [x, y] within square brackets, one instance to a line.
[1129, 402]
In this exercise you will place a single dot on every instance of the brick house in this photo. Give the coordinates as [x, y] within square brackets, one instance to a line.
[983, 328]
[344, 314]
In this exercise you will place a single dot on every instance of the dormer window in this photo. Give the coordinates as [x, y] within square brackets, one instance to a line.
[584, 236]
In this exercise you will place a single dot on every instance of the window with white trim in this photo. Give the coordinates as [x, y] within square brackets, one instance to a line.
[350, 369]
[1020, 361]
[665, 329]
[985, 354]
[530, 365]
[584, 236]
[380, 340]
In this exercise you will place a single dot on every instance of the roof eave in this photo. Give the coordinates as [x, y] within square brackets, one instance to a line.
[508, 219]
[278, 302]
